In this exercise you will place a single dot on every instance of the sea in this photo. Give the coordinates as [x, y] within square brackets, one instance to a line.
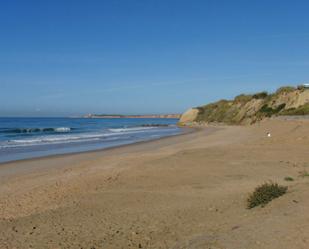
[24, 138]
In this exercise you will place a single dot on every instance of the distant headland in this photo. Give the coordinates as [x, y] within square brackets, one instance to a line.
[177, 116]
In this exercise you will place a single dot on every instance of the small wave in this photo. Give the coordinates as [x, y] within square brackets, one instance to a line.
[155, 125]
[63, 135]
[58, 139]
[63, 129]
[35, 130]
[140, 128]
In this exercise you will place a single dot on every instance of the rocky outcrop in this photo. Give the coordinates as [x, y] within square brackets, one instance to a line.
[248, 109]
[189, 116]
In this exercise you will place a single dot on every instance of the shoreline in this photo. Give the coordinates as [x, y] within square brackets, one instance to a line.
[186, 130]
[63, 161]
[185, 191]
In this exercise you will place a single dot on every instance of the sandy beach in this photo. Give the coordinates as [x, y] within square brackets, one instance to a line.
[187, 191]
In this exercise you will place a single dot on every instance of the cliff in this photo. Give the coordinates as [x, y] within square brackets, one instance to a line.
[248, 109]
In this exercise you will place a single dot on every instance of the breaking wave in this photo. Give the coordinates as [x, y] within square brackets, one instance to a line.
[35, 130]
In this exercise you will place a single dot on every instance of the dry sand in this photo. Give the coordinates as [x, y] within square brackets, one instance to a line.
[187, 191]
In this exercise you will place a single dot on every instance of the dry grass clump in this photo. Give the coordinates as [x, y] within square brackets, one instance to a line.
[304, 173]
[265, 193]
[242, 98]
[288, 179]
[285, 89]
[261, 95]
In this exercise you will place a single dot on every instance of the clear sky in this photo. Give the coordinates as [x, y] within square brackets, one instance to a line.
[61, 58]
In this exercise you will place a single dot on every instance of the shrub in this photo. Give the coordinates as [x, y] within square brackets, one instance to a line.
[242, 98]
[301, 110]
[280, 107]
[261, 95]
[288, 179]
[222, 111]
[301, 87]
[264, 194]
[285, 89]
[268, 111]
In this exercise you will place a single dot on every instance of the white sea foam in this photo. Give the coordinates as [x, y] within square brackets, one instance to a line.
[34, 130]
[131, 129]
[73, 138]
[26, 138]
[62, 129]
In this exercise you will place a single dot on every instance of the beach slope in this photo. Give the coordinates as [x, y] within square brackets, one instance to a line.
[187, 191]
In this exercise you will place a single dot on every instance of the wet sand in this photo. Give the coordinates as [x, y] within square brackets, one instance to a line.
[186, 191]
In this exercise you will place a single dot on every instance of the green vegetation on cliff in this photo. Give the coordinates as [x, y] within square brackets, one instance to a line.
[301, 110]
[251, 108]
[222, 111]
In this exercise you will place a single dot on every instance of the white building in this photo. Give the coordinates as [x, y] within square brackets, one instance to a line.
[306, 85]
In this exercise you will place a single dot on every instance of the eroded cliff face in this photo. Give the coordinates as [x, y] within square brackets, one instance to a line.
[248, 109]
[189, 116]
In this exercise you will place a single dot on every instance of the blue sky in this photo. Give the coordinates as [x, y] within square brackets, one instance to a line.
[61, 58]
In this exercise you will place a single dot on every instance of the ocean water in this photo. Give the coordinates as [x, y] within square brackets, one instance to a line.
[22, 138]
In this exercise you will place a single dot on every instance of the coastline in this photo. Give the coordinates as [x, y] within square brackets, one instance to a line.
[185, 191]
[186, 130]
[26, 138]
[160, 116]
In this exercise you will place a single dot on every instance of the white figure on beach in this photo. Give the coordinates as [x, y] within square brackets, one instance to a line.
[268, 134]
